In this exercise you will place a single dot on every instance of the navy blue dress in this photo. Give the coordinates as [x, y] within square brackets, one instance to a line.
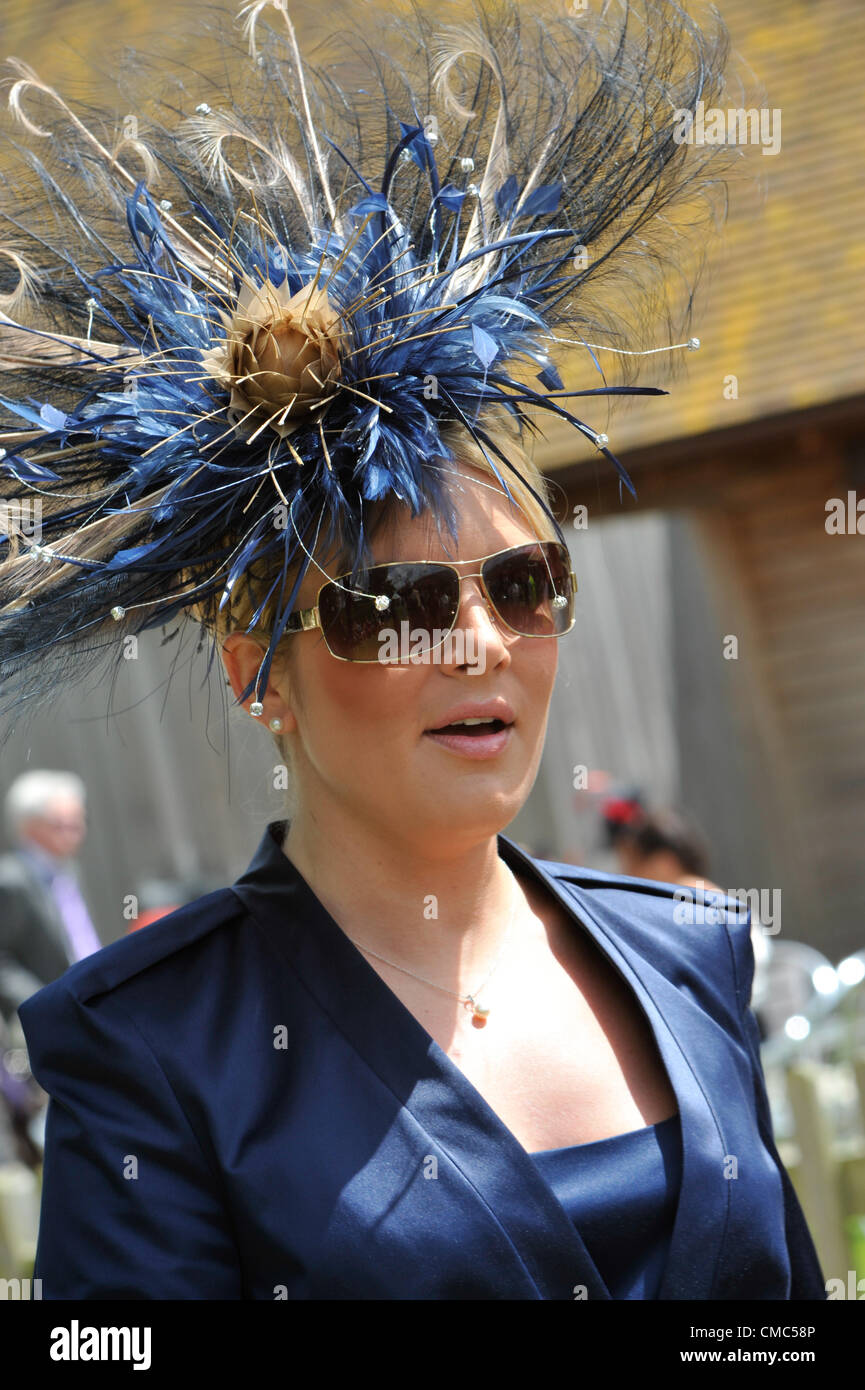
[621, 1194]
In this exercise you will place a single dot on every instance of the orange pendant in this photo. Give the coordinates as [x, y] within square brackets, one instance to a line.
[479, 1015]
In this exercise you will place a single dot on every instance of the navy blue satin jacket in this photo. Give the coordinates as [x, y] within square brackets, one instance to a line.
[241, 1108]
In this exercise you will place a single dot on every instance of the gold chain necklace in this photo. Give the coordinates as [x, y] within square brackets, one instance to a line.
[479, 1014]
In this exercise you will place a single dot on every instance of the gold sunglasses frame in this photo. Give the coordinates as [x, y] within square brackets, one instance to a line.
[306, 619]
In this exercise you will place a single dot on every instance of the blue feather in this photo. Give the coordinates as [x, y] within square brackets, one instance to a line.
[485, 346]
[432, 334]
[27, 471]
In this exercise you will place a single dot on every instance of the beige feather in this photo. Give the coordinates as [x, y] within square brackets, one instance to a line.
[206, 135]
[29, 78]
[29, 280]
[96, 540]
[21, 347]
[145, 154]
[252, 12]
[460, 42]
[197, 257]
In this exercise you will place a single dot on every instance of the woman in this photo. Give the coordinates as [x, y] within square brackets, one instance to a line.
[398, 1057]
[278, 1091]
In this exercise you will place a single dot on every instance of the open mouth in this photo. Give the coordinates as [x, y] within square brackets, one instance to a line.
[473, 738]
[472, 727]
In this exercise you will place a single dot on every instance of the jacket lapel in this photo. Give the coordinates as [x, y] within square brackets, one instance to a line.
[688, 1041]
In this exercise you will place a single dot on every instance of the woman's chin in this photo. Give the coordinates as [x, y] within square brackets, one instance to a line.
[470, 813]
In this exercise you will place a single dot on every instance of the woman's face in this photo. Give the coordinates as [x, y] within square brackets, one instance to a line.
[358, 731]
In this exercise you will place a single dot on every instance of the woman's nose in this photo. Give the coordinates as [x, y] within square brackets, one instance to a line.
[477, 615]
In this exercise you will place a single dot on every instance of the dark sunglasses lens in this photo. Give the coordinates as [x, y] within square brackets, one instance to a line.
[531, 588]
[423, 597]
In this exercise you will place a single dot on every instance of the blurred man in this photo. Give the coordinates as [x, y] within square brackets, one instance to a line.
[44, 922]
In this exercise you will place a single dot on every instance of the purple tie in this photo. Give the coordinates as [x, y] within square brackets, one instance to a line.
[83, 940]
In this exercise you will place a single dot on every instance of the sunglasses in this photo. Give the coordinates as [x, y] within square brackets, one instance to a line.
[530, 588]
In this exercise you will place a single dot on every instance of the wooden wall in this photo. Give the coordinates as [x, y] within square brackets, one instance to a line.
[794, 597]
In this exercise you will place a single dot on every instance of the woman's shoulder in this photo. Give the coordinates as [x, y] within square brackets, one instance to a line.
[697, 902]
[177, 946]
[693, 930]
[163, 1012]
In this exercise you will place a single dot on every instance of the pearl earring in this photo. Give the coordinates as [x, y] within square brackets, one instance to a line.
[275, 725]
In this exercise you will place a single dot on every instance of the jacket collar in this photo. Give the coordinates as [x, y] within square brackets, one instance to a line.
[548, 1247]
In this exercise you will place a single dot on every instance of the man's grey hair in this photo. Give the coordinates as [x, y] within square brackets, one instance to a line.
[32, 793]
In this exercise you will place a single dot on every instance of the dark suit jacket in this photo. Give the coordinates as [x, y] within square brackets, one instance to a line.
[33, 943]
[241, 1108]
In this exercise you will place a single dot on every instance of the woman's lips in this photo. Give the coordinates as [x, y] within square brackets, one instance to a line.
[474, 745]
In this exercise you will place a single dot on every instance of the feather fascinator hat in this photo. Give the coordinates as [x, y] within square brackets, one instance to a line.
[234, 318]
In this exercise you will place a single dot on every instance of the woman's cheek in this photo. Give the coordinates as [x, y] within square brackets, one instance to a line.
[361, 701]
[542, 674]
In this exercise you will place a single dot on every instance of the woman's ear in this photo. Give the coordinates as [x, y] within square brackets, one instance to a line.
[242, 656]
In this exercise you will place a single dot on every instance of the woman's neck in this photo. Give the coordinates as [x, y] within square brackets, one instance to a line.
[431, 904]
